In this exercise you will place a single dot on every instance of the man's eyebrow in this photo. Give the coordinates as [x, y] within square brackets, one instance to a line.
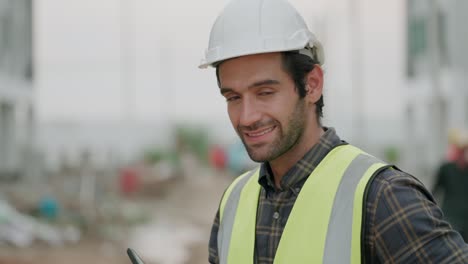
[255, 84]
[264, 82]
[225, 90]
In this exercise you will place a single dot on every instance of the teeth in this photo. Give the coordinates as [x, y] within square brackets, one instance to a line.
[260, 133]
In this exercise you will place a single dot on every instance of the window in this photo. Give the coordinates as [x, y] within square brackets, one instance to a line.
[418, 34]
[16, 38]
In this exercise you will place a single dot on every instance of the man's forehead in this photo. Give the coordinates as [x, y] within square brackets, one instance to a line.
[253, 67]
[252, 71]
[267, 58]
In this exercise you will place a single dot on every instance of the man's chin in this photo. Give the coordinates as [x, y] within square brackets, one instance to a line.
[257, 155]
[258, 159]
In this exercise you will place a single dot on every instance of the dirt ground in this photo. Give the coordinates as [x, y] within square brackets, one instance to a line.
[177, 233]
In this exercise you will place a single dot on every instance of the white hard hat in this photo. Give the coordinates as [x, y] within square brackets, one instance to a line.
[247, 27]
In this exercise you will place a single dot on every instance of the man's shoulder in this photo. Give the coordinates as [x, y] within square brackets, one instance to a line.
[393, 176]
[392, 191]
[393, 183]
[402, 213]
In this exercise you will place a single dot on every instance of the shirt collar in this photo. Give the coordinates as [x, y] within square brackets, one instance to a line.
[305, 166]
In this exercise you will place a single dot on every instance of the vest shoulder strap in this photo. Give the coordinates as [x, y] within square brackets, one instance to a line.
[228, 212]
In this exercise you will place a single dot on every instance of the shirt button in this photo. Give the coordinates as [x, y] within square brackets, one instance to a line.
[276, 215]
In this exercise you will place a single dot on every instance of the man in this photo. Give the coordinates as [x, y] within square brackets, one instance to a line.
[452, 179]
[315, 198]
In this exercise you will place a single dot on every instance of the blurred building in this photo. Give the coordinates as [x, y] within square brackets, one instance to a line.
[408, 83]
[437, 77]
[16, 87]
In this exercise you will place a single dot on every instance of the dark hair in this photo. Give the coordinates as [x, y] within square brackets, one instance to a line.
[297, 66]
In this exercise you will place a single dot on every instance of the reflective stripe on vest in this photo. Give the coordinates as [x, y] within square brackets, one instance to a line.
[324, 225]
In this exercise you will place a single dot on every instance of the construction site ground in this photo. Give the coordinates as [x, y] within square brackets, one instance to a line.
[177, 231]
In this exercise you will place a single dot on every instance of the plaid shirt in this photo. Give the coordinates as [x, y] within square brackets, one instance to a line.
[403, 224]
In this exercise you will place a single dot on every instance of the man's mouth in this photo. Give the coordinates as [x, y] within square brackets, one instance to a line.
[259, 133]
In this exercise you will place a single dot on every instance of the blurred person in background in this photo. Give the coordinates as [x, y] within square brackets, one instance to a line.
[315, 198]
[452, 180]
[453, 149]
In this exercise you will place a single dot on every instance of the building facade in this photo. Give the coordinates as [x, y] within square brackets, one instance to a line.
[437, 77]
[17, 114]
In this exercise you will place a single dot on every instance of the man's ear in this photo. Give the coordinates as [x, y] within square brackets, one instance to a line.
[314, 84]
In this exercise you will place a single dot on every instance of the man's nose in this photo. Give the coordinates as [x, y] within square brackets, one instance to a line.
[250, 113]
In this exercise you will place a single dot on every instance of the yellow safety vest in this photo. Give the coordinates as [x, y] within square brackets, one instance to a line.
[325, 223]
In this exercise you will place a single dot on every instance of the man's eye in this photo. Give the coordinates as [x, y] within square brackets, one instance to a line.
[232, 98]
[265, 93]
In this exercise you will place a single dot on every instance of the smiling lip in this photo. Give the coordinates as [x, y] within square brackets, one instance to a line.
[259, 134]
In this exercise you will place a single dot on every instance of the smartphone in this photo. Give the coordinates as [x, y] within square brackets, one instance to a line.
[134, 256]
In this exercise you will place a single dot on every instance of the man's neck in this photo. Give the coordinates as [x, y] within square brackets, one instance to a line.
[281, 165]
